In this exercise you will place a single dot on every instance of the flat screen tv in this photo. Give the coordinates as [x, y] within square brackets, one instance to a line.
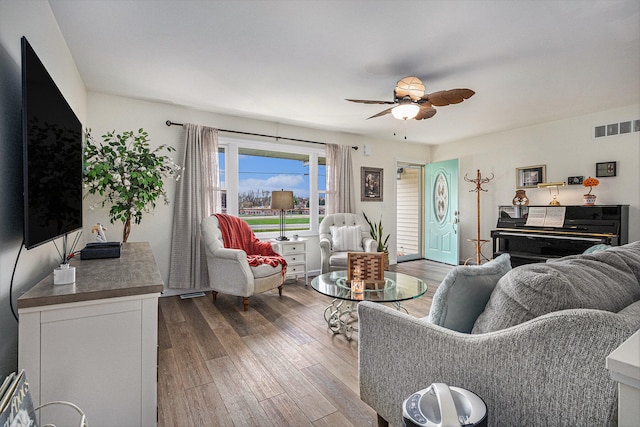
[52, 151]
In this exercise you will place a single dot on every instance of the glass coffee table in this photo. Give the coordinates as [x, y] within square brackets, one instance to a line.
[340, 315]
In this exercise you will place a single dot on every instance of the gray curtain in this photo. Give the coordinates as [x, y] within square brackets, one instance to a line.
[197, 195]
[340, 188]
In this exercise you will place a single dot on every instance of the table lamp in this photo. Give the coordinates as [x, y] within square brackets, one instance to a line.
[550, 186]
[282, 200]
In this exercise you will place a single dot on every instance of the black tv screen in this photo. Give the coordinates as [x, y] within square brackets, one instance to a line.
[52, 149]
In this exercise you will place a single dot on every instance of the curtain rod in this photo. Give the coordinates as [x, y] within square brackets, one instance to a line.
[170, 123]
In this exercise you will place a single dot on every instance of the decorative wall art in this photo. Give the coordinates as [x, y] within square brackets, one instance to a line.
[605, 169]
[575, 180]
[530, 176]
[371, 184]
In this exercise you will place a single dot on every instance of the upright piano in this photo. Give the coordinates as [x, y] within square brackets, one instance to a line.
[581, 228]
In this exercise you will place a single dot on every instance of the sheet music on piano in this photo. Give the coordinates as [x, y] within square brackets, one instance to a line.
[550, 216]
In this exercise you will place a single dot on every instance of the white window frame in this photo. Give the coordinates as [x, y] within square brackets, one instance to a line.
[232, 145]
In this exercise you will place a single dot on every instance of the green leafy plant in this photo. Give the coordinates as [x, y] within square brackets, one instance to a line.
[375, 230]
[127, 174]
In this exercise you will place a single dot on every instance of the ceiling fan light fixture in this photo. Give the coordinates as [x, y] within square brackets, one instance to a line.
[405, 111]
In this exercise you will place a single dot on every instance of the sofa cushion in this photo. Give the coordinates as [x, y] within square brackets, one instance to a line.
[603, 280]
[632, 310]
[464, 292]
[265, 270]
[346, 238]
[628, 254]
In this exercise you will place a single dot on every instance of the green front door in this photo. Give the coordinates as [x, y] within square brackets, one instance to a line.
[441, 213]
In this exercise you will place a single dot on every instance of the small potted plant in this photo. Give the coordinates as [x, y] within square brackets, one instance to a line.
[375, 230]
[590, 199]
[127, 174]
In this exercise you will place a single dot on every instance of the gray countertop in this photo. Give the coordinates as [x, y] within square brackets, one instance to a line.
[134, 273]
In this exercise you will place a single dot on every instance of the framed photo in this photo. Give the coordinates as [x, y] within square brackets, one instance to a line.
[530, 176]
[575, 180]
[370, 184]
[605, 169]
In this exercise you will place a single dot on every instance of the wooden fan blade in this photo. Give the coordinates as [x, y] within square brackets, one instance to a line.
[447, 97]
[365, 101]
[411, 87]
[381, 113]
[426, 112]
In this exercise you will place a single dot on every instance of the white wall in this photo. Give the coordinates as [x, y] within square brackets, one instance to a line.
[566, 148]
[108, 112]
[34, 20]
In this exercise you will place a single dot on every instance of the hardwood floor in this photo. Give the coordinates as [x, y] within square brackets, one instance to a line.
[276, 364]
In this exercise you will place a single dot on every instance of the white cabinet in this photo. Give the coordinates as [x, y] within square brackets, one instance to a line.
[624, 367]
[295, 253]
[94, 343]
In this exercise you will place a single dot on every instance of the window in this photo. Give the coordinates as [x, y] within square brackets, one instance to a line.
[250, 171]
[223, 182]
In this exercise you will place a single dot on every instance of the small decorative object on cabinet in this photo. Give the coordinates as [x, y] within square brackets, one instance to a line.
[295, 253]
[520, 199]
[590, 199]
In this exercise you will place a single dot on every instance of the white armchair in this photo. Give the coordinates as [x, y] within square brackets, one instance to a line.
[230, 271]
[340, 234]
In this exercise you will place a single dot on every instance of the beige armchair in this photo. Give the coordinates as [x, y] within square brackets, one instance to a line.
[340, 234]
[230, 268]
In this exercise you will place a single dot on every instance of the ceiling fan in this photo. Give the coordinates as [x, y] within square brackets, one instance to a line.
[411, 102]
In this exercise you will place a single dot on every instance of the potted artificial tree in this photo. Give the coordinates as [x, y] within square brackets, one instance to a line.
[590, 199]
[127, 174]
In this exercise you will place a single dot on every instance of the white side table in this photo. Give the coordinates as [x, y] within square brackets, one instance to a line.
[624, 367]
[295, 253]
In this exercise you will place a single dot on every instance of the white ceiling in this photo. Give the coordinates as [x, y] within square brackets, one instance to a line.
[295, 62]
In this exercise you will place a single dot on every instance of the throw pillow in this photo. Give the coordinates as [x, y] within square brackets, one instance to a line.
[596, 248]
[346, 238]
[464, 292]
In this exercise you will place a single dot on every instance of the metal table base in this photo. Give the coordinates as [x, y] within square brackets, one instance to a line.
[340, 316]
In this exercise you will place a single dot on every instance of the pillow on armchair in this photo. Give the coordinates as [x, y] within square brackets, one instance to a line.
[464, 293]
[346, 238]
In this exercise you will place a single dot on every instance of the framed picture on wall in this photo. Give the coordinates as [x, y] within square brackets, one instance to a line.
[605, 169]
[370, 184]
[530, 176]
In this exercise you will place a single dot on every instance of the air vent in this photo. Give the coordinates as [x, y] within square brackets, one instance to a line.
[614, 129]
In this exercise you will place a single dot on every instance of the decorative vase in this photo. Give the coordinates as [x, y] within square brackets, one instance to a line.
[589, 199]
[520, 199]
[64, 275]
[385, 261]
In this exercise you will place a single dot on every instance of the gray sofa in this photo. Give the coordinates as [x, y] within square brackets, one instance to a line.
[536, 353]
